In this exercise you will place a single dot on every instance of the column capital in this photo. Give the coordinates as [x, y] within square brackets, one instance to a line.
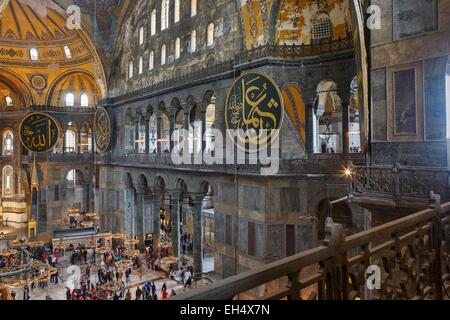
[139, 188]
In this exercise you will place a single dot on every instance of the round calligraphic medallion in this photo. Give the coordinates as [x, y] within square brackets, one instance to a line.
[102, 129]
[254, 110]
[39, 132]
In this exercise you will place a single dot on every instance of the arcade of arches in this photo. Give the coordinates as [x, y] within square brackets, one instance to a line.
[162, 67]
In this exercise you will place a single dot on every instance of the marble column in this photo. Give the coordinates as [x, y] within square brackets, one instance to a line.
[172, 129]
[198, 234]
[345, 130]
[139, 217]
[175, 206]
[87, 199]
[159, 131]
[203, 116]
[78, 142]
[156, 220]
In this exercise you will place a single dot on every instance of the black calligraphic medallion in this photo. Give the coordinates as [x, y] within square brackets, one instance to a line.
[254, 109]
[39, 132]
[102, 129]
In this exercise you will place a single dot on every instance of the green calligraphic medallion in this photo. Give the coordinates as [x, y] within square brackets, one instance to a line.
[39, 132]
[102, 129]
[255, 106]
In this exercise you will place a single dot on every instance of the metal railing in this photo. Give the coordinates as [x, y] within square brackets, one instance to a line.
[412, 254]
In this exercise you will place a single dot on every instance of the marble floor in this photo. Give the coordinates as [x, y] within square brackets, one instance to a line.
[58, 291]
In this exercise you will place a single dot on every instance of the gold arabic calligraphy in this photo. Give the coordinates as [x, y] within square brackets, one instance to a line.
[254, 104]
[39, 132]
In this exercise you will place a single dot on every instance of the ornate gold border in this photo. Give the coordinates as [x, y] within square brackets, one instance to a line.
[110, 129]
[58, 126]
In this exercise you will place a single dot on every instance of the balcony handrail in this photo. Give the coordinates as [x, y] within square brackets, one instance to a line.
[232, 286]
[403, 245]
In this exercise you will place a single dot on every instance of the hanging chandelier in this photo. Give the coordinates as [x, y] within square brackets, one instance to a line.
[19, 269]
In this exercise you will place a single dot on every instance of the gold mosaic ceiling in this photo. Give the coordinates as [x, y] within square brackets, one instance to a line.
[26, 24]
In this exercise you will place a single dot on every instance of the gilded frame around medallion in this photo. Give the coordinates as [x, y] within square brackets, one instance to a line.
[278, 91]
[104, 146]
[55, 122]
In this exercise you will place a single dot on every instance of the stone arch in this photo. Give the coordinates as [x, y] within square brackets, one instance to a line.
[59, 81]
[18, 86]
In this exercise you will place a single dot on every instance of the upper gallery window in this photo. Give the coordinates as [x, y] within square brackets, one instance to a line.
[34, 54]
[163, 55]
[70, 141]
[141, 65]
[9, 101]
[177, 11]
[165, 6]
[153, 23]
[322, 27]
[8, 143]
[70, 100]
[151, 62]
[193, 41]
[84, 100]
[210, 35]
[130, 70]
[193, 8]
[177, 48]
[68, 52]
[141, 36]
[8, 178]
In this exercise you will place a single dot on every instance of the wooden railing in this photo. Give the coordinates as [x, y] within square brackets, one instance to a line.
[411, 255]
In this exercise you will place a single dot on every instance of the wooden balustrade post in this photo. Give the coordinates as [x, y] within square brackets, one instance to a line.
[294, 286]
[396, 180]
[435, 204]
[334, 237]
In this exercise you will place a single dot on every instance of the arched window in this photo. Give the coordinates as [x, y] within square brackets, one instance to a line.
[8, 143]
[321, 27]
[130, 70]
[8, 181]
[177, 48]
[34, 54]
[165, 6]
[70, 141]
[177, 11]
[9, 101]
[71, 176]
[141, 138]
[68, 52]
[210, 36]
[84, 100]
[193, 41]
[141, 65]
[70, 100]
[151, 62]
[153, 23]
[141, 36]
[193, 8]
[163, 55]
